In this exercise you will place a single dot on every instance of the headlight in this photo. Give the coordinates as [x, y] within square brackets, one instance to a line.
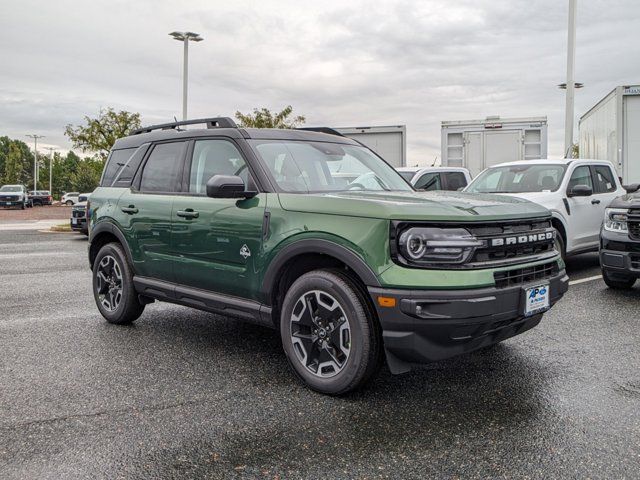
[615, 219]
[429, 246]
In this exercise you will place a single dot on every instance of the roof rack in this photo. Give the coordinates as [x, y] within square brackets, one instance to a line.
[216, 122]
[327, 130]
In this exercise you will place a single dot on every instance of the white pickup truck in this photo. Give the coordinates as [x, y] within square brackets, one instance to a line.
[576, 191]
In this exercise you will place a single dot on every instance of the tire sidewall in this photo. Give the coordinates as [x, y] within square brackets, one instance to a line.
[117, 315]
[356, 316]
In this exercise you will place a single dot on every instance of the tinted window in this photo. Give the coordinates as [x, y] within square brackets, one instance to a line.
[429, 181]
[604, 179]
[455, 180]
[163, 168]
[580, 176]
[115, 163]
[214, 157]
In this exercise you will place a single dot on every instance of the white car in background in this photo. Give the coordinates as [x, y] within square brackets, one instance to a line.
[436, 178]
[576, 192]
[70, 198]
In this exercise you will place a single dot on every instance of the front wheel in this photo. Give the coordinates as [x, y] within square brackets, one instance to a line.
[619, 281]
[113, 288]
[329, 333]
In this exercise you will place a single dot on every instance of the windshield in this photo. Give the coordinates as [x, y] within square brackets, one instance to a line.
[518, 179]
[407, 175]
[326, 167]
[11, 188]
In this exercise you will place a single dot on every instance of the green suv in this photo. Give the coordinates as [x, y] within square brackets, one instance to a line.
[315, 235]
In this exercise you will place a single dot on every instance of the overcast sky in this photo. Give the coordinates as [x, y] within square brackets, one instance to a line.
[338, 63]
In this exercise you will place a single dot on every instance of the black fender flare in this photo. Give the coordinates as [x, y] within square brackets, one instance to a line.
[109, 227]
[315, 246]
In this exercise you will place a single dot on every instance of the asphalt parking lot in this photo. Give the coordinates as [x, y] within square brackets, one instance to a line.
[185, 394]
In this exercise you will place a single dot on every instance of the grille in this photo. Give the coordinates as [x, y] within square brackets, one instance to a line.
[506, 251]
[635, 262]
[78, 213]
[9, 198]
[520, 276]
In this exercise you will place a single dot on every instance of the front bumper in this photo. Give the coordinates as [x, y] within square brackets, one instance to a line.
[80, 225]
[431, 325]
[619, 253]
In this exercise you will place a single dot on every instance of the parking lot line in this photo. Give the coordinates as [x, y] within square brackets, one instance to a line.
[583, 280]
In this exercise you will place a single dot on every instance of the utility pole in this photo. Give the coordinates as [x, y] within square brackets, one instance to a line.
[571, 63]
[185, 37]
[35, 159]
[51, 150]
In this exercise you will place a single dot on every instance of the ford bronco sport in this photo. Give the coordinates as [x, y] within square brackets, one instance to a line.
[263, 225]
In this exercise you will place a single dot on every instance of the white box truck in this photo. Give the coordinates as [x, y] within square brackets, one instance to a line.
[388, 142]
[610, 130]
[478, 144]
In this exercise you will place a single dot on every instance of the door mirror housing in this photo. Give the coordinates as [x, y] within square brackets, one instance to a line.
[580, 191]
[228, 186]
[634, 187]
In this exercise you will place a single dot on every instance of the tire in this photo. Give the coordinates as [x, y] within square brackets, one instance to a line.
[618, 281]
[68, 203]
[110, 270]
[23, 206]
[562, 248]
[340, 349]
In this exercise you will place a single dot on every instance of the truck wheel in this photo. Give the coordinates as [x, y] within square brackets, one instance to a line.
[562, 248]
[619, 281]
[113, 288]
[68, 203]
[23, 206]
[329, 333]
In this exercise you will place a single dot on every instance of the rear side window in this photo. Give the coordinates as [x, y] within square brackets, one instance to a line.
[115, 164]
[455, 180]
[163, 169]
[429, 181]
[604, 179]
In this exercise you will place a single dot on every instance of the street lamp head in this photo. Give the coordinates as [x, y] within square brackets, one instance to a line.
[189, 36]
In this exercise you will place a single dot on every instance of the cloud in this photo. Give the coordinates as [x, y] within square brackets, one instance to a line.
[338, 63]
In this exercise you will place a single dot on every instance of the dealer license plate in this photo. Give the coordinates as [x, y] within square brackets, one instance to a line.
[536, 300]
[74, 221]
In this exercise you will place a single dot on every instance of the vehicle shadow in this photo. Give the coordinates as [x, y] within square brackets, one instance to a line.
[580, 263]
[499, 389]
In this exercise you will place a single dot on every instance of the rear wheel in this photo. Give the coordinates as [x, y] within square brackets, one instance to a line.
[329, 333]
[68, 203]
[113, 288]
[618, 281]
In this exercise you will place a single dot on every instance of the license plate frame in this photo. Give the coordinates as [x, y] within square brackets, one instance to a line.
[535, 299]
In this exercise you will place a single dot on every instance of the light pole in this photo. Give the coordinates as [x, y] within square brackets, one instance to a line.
[185, 37]
[35, 159]
[51, 150]
[571, 63]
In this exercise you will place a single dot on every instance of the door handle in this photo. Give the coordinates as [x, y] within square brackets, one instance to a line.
[595, 202]
[188, 213]
[131, 209]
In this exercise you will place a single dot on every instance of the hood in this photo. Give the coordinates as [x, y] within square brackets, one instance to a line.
[537, 197]
[438, 206]
[630, 200]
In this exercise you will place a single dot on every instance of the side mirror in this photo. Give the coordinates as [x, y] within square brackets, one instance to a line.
[634, 187]
[227, 186]
[580, 191]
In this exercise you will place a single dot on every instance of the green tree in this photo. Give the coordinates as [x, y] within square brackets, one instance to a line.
[99, 134]
[264, 118]
[87, 174]
[13, 165]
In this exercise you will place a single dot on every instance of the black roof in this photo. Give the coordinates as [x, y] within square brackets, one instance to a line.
[171, 132]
